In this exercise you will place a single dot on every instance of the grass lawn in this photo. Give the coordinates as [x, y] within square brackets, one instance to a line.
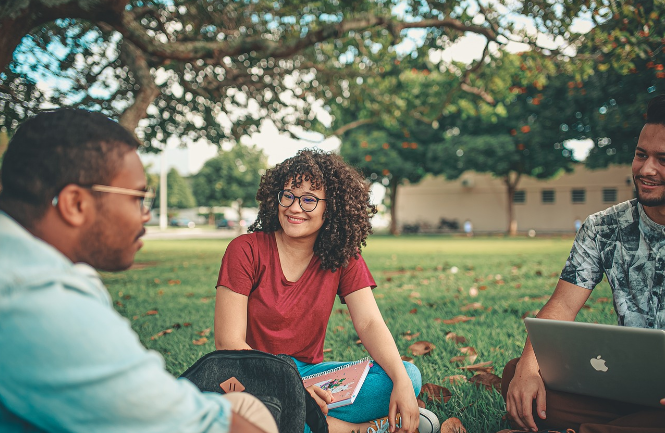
[422, 281]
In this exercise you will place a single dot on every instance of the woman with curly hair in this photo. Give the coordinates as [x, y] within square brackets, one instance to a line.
[277, 286]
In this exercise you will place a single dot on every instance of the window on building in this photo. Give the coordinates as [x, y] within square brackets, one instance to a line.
[609, 195]
[578, 196]
[519, 197]
[548, 196]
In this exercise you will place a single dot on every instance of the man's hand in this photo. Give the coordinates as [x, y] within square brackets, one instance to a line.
[524, 388]
[322, 398]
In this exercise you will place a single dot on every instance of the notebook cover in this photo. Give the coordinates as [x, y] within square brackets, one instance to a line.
[343, 382]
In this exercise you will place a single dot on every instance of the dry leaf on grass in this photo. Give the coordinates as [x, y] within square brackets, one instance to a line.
[489, 380]
[327, 350]
[472, 306]
[205, 332]
[435, 393]
[159, 334]
[531, 313]
[151, 313]
[200, 341]
[421, 348]
[485, 367]
[456, 319]
[359, 342]
[464, 358]
[458, 339]
[420, 403]
[409, 336]
[602, 300]
[452, 425]
[414, 295]
[468, 350]
[456, 378]
[407, 359]
[413, 311]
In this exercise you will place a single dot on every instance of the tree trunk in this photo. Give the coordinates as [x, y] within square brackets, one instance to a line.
[394, 230]
[511, 186]
[240, 228]
[17, 19]
[211, 217]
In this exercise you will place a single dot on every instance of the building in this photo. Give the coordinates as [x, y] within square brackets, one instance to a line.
[546, 206]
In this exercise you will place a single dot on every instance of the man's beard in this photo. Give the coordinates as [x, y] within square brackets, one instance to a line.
[649, 202]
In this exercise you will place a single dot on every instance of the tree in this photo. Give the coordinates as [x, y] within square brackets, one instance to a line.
[232, 176]
[215, 69]
[179, 192]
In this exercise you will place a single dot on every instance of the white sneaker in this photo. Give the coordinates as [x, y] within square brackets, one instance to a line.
[429, 423]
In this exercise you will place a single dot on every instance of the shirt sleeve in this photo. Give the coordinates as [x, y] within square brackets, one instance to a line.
[237, 270]
[354, 277]
[584, 267]
[77, 366]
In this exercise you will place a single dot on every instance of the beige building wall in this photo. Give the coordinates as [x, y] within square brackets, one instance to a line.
[482, 199]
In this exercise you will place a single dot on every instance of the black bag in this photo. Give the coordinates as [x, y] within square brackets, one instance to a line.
[272, 379]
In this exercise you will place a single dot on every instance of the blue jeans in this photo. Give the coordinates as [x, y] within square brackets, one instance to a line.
[373, 399]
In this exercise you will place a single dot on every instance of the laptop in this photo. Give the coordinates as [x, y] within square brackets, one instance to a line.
[606, 361]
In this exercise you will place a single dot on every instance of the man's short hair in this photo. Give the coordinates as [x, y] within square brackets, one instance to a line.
[58, 148]
[656, 111]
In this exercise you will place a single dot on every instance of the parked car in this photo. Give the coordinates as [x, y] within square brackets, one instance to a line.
[223, 223]
[182, 222]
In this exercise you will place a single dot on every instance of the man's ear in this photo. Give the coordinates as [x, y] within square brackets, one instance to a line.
[75, 205]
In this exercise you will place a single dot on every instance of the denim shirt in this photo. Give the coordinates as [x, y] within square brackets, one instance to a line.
[629, 248]
[70, 362]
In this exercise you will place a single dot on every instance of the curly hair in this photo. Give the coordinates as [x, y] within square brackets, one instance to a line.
[348, 208]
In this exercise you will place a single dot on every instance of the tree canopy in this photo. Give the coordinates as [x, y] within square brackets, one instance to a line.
[215, 69]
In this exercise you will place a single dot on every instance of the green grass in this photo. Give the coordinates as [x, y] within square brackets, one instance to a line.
[512, 277]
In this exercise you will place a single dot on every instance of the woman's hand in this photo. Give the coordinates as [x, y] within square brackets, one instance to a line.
[403, 401]
[322, 398]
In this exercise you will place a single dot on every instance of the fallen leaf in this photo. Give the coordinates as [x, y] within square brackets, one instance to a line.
[458, 339]
[156, 280]
[468, 350]
[452, 425]
[602, 300]
[339, 328]
[186, 324]
[518, 285]
[485, 367]
[586, 307]
[327, 350]
[119, 304]
[435, 392]
[482, 288]
[456, 319]
[407, 359]
[420, 403]
[409, 336]
[176, 326]
[379, 296]
[358, 341]
[189, 295]
[205, 332]
[151, 313]
[472, 306]
[413, 311]
[531, 313]
[414, 295]
[173, 282]
[463, 358]
[489, 380]
[160, 292]
[456, 378]
[421, 348]
[200, 341]
[159, 334]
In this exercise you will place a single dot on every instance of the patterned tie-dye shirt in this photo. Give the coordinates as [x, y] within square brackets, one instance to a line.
[626, 245]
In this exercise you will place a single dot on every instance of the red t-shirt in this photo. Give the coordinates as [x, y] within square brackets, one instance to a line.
[283, 316]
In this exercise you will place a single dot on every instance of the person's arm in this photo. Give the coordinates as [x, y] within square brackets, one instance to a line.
[230, 320]
[527, 385]
[71, 363]
[378, 341]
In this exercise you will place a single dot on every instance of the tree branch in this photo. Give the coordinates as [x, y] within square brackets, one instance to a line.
[340, 131]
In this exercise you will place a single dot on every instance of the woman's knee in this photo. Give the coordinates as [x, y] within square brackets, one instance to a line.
[415, 376]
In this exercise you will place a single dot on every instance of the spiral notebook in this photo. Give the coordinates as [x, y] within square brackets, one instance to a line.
[343, 382]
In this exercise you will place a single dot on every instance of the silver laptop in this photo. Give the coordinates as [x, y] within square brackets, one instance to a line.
[607, 361]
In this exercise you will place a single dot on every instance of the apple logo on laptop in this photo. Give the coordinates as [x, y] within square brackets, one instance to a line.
[598, 364]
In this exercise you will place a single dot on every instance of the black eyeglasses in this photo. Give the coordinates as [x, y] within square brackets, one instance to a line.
[307, 202]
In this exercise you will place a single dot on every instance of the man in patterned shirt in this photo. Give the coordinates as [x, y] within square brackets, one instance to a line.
[625, 243]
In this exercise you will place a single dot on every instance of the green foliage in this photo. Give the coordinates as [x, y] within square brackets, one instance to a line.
[232, 175]
[178, 191]
[513, 278]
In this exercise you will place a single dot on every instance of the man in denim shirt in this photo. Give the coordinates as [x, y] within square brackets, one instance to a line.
[625, 243]
[74, 198]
